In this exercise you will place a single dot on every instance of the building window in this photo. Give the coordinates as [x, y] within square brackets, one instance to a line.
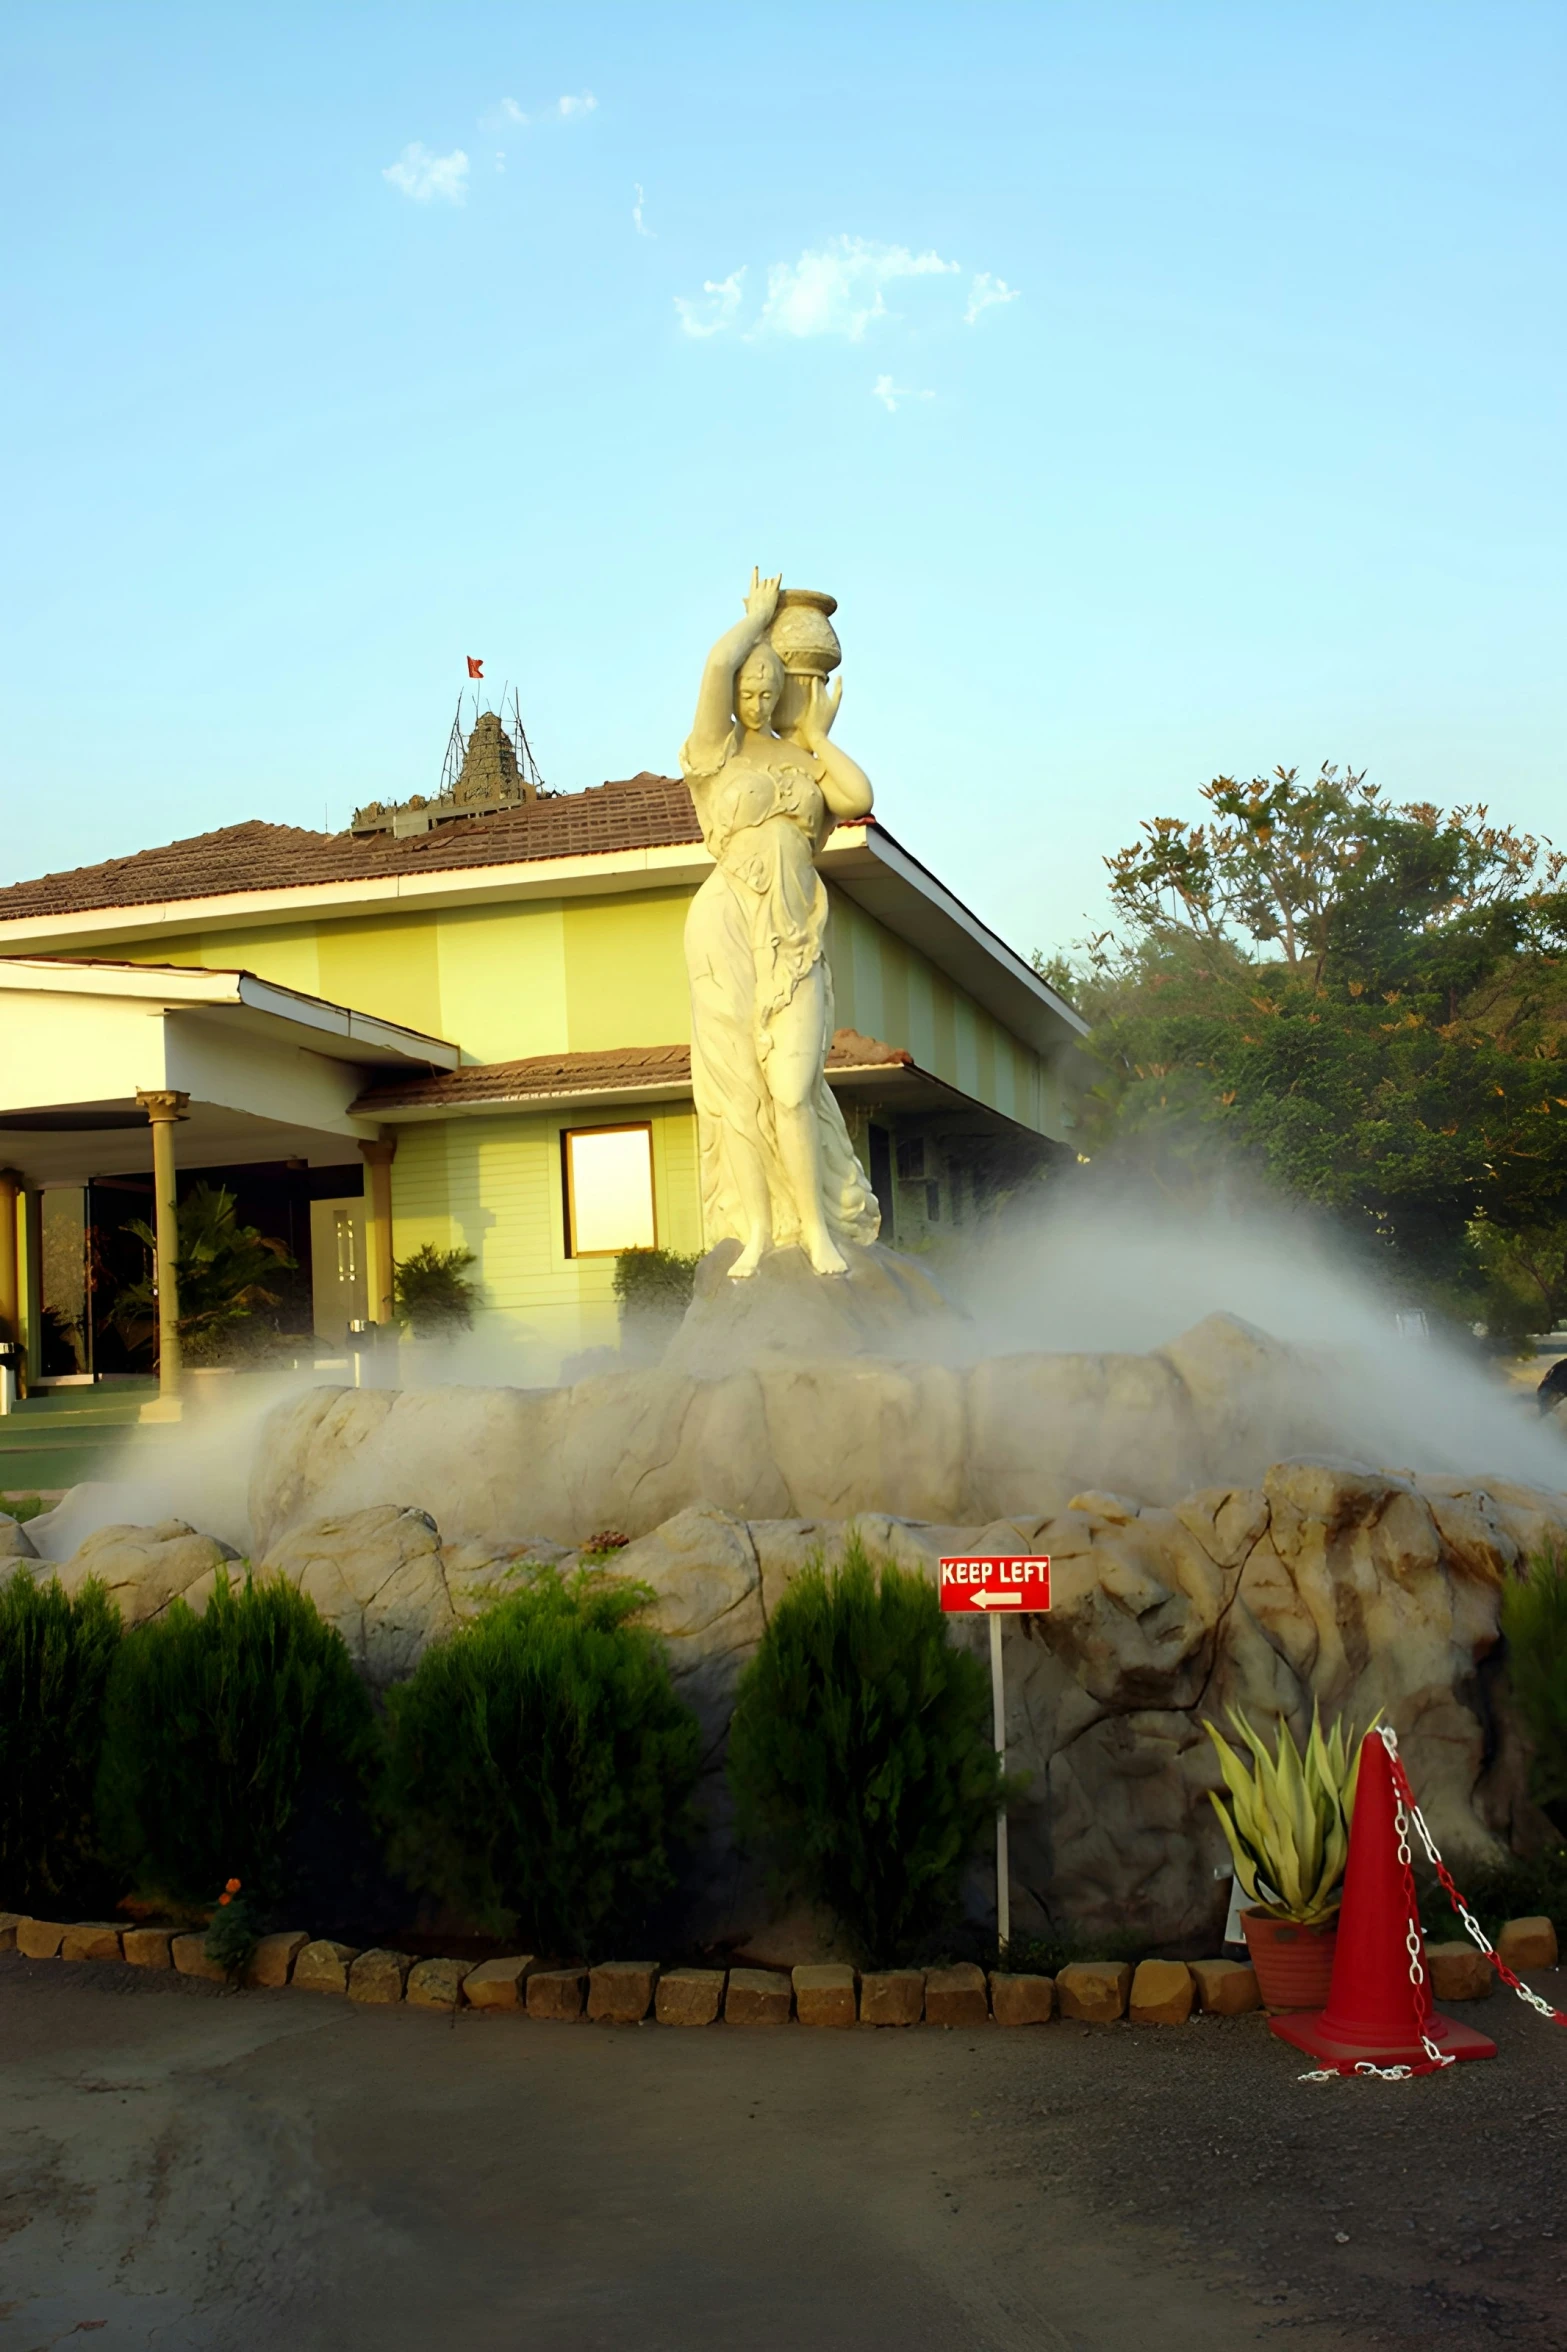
[609, 1190]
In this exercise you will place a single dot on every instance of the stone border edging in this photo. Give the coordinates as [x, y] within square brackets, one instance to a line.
[827, 1993]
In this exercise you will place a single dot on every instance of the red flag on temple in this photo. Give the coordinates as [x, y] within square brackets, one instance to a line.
[475, 668]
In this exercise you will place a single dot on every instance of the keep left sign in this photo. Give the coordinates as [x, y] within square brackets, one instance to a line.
[1008, 1584]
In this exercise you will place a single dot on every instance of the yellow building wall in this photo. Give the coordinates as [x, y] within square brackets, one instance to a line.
[494, 1186]
[887, 989]
[586, 975]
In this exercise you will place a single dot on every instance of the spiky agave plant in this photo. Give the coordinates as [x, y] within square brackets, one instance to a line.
[1288, 1816]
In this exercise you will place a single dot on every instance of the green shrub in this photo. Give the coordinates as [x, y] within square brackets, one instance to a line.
[21, 1507]
[861, 1753]
[223, 1269]
[431, 1295]
[55, 1657]
[540, 1766]
[220, 1730]
[1534, 1619]
[654, 1284]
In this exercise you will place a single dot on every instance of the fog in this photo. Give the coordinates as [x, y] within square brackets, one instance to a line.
[1087, 1275]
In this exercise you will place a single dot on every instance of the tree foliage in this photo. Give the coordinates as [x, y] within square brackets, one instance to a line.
[1534, 1619]
[55, 1657]
[540, 1766]
[1365, 1003]
[861, 1754]
[431, 1294]
[221, 1731]
[223, 1270]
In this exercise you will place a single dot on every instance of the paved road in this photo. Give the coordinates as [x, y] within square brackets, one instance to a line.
[184, 2168]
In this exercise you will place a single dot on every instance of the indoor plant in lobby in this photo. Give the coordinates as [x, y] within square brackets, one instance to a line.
[1287, 1821]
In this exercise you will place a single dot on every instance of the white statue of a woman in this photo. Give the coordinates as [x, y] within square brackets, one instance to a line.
[777, 1164]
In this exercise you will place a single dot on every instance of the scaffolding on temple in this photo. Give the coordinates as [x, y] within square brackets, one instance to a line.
[489, 769]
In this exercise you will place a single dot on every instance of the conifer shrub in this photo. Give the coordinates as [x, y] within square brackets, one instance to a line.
[431, 1294]
[861, 1751]
[55, 1658]
[540, 1766]
[1534, 1619]
[222, 1730]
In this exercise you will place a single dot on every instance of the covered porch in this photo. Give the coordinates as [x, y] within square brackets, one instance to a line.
[120, 1085]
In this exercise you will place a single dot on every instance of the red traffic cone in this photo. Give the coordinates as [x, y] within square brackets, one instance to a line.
[1376, 2014]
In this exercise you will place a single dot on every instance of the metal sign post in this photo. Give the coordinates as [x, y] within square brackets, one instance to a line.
[997, 1587]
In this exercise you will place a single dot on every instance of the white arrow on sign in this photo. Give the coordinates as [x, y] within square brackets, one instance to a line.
[991, 1600]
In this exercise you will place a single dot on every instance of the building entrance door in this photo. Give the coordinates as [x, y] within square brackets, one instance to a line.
[337, 1267]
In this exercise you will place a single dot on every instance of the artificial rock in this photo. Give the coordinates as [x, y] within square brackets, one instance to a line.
[271, 1963]
[322, 1966]
[1458, 1972]
[1226, 1988]
[757, 1996]
[1022, 1998]
[498, 1984]
[1318, 1583]
[620, 1992]
[824, 1993]
[1094, 1991]
[1527, 1943]
[892, 1996]
[1162, 1993]
[191, 1958]
[148, 1947]
[956, 1996]
[689, 1996]
[378, 1977]
[557, 1993]
[435, 1984]
[90, 1942]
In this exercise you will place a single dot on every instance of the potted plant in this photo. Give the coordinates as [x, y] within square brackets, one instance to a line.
[1287, 1821]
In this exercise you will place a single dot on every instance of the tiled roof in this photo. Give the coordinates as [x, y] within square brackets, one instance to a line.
[619, 1071]
[644, 812]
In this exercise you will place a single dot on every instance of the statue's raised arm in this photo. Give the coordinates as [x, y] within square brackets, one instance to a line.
[715, 702]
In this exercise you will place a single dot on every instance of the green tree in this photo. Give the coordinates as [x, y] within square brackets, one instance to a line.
[222, 1268]
[221, 1731]
[860, 1751]
[431, 1294]
[540, 1766]
[1367, 1005]
[55, 1658]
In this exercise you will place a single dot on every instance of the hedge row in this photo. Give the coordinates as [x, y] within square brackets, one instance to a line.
[533, 1776]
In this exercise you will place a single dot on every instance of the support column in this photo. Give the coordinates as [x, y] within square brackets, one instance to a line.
[378, 1158]
[164, 1108]
[11, 1380]
[33, 1282]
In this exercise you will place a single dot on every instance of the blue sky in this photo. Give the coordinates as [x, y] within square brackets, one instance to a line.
[1161, 390]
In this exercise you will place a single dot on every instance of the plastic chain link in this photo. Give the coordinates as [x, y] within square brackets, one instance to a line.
[1408, 1812]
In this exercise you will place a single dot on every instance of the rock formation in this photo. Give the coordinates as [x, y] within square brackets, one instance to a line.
[1316, 1583]
[801, 1437]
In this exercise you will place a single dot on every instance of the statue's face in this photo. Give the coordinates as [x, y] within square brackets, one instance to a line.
[756, 696]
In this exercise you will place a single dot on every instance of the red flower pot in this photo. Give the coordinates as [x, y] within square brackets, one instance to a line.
[1294, 1964]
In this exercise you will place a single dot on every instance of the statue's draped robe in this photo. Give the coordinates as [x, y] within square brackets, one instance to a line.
[754, 936]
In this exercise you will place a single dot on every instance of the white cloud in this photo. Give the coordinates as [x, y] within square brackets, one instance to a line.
[839, 289]
[639, 223]
[889, 393]
[512, 112]
[422, 175]
[573, 109]
[985, 293]
[717, 307]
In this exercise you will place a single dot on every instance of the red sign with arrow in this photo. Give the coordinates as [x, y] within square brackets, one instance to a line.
[1007, 1585]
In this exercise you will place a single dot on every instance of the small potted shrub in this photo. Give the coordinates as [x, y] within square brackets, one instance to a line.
[1287, 1821]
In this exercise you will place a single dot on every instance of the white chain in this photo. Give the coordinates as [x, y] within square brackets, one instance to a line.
[1472, 1925]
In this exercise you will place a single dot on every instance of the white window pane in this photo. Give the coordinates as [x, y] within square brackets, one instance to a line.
[611, 1189]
